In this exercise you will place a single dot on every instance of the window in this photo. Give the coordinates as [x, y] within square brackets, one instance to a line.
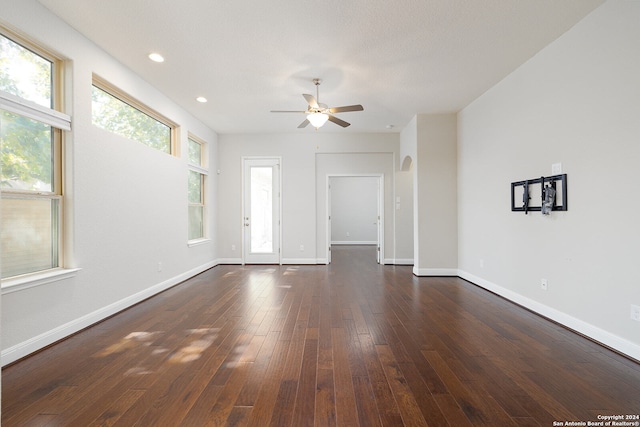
[116, 112]
[31, 159]
[196, 190]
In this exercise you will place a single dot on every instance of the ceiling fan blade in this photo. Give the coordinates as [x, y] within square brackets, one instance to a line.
[346, 108]
[311, 100]
[338, 121]
[303, 124]
[287, 111]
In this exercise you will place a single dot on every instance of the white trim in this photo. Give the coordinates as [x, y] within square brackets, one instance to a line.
[604, 337]
[36, 343]
[229, 261]
[198, 242]
[381, 221]
[322, 261]
[435, 271]
[198, 169]
[34, 111]
[27, 281]
[400, 261]
[353, 242]
[302, 261]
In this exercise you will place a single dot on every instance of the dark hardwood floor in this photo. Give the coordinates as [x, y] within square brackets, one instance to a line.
[350, 344]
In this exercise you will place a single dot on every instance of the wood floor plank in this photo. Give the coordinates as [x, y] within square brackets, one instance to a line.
[409, 409]
[346, 413]
[325, 402]
[267, 395]
[249, 393]
[304, 410]
[386, 402]
[365, 402]
[479, 409]
[353, 343]
[121, 405]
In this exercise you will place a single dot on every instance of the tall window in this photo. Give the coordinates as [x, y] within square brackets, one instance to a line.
[31, 158]
[196, 191]
[116, 112]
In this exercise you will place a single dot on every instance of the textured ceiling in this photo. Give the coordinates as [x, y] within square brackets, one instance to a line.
[396, 58]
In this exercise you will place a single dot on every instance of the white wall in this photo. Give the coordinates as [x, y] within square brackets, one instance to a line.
[125, 203]
[434, 193]
[576, 102]
[403, 199]
[354, 210]
[305, 166]
[379, 163]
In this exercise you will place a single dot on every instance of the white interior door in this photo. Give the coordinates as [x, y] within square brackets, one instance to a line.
[261, 213]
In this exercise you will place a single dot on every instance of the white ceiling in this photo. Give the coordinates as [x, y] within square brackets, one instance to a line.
[396, 58]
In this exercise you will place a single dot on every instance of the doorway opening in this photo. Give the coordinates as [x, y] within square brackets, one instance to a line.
[355, 212]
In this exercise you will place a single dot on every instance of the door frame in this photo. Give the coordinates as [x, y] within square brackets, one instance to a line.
[380, 178]
[278, 220]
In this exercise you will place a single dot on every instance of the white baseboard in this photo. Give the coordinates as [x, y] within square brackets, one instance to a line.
[604, 337]
[228, 261]
[302, 261]
[353, 242]
[36, 343]
[400, 261]
[435, 271]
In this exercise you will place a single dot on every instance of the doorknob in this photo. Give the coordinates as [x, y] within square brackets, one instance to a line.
[246, 224]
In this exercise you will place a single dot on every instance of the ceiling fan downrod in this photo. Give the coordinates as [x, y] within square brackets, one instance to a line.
[317, 83]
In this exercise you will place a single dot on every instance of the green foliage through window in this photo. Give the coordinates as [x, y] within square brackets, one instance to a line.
[195, 152]
[196, 188]
[30, 163]
[25, 74]
[27, 154]
[115, 115]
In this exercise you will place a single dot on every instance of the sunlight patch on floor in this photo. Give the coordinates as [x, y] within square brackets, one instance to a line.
[131, 341]
[202, 339]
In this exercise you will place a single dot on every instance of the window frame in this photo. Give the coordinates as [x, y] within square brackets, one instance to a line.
[203, 171]
[58, 123]
[125, 98]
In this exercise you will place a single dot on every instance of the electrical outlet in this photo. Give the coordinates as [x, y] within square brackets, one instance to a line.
[347, 234]
[159, 267]
[301, 248]
[543, 284]
[233, 247]
[635, 313]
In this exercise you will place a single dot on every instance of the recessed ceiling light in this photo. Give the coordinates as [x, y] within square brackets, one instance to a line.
[201, 99]
[156, 57]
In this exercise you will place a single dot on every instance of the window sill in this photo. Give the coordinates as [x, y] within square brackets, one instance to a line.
[198, 242]
[27, 281]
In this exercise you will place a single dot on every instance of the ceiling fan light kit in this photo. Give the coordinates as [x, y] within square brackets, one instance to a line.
[318, 114]
[317, 119]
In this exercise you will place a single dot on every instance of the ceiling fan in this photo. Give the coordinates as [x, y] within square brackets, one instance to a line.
[318, 113]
